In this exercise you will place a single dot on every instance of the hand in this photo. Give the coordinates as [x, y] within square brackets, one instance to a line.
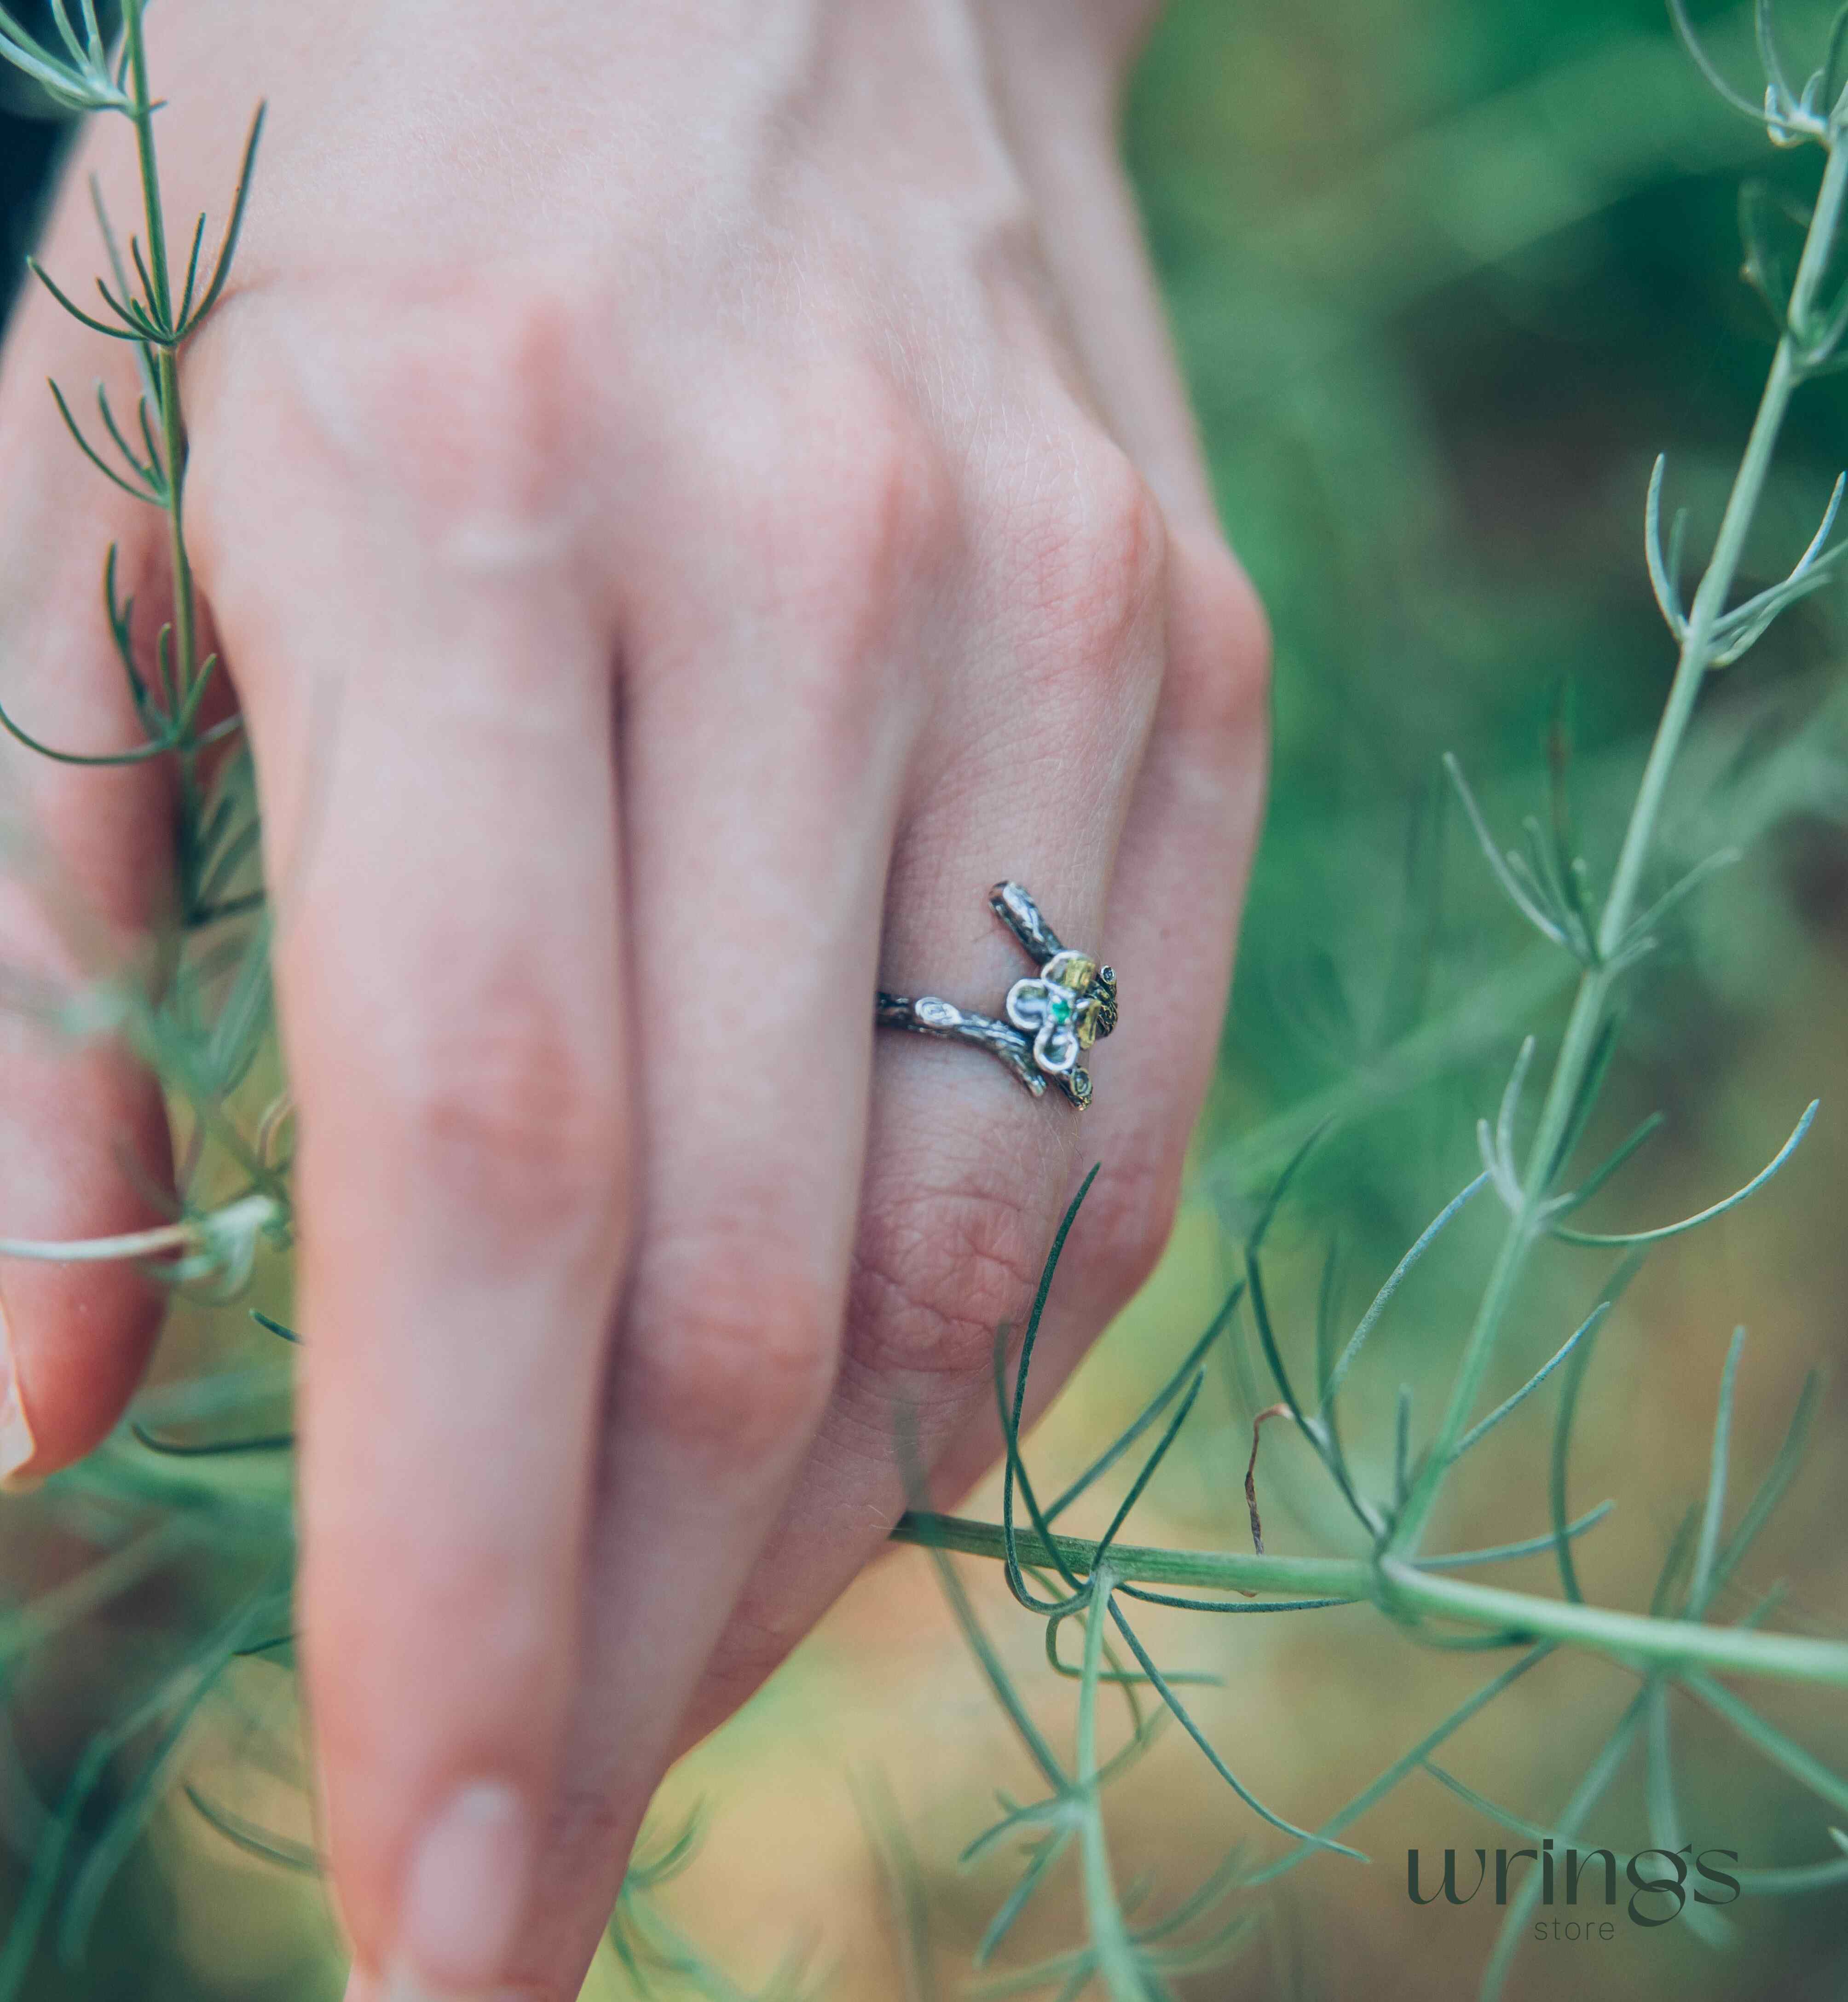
[688, 498]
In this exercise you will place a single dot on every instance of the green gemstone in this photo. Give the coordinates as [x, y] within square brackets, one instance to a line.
[1059, 1003]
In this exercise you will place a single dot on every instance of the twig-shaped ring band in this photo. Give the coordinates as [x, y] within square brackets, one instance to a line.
[1052, 1017]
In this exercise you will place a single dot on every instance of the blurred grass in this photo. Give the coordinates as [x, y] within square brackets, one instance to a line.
[1446, 275]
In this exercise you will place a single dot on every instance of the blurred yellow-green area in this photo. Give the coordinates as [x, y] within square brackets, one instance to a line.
[1446, 274]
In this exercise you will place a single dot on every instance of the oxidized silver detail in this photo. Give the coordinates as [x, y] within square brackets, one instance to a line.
[1052, 1017]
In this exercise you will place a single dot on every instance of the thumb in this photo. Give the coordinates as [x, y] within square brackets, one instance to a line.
[84, 1151]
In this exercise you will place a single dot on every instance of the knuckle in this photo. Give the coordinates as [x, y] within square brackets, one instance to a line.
[935, 1278]
[740, 1364]
[1095, 548]
[512, 1113]
[881, 487]
[447, 408]
[844, 502]
[474, 396]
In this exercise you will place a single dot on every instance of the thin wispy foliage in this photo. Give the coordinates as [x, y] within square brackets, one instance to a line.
[200, 1476]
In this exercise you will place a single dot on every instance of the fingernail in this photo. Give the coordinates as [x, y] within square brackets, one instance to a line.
[17, 1444]
[462, 1898]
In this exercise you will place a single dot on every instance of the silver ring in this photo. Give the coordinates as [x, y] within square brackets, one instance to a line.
[1052, 1017]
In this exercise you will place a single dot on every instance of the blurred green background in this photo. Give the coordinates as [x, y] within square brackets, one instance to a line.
[1446, 275]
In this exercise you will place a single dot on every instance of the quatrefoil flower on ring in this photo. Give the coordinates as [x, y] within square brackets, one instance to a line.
[1064, 1010]
[1052, 1018]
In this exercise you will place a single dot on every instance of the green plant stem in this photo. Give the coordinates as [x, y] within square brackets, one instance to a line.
[1634, 1638]
[1110, 1935]
[143, 117]
[167, 375]
[174, 436]
[1407, 1590]
[1273, 1577]
[1580, 1039]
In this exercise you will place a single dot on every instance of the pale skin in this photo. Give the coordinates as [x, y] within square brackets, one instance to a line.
[690, 495]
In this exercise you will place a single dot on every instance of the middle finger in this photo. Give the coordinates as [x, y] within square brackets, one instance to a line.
[765, 732]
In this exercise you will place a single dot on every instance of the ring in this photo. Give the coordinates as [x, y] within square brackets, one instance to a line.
[1052, 1017]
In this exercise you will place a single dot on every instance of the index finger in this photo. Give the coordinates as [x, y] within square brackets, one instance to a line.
[448, 988]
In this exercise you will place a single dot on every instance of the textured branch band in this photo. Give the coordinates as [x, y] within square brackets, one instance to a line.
[1051, 1017]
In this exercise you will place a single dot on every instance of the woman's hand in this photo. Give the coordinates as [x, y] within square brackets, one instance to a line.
[689, 496]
